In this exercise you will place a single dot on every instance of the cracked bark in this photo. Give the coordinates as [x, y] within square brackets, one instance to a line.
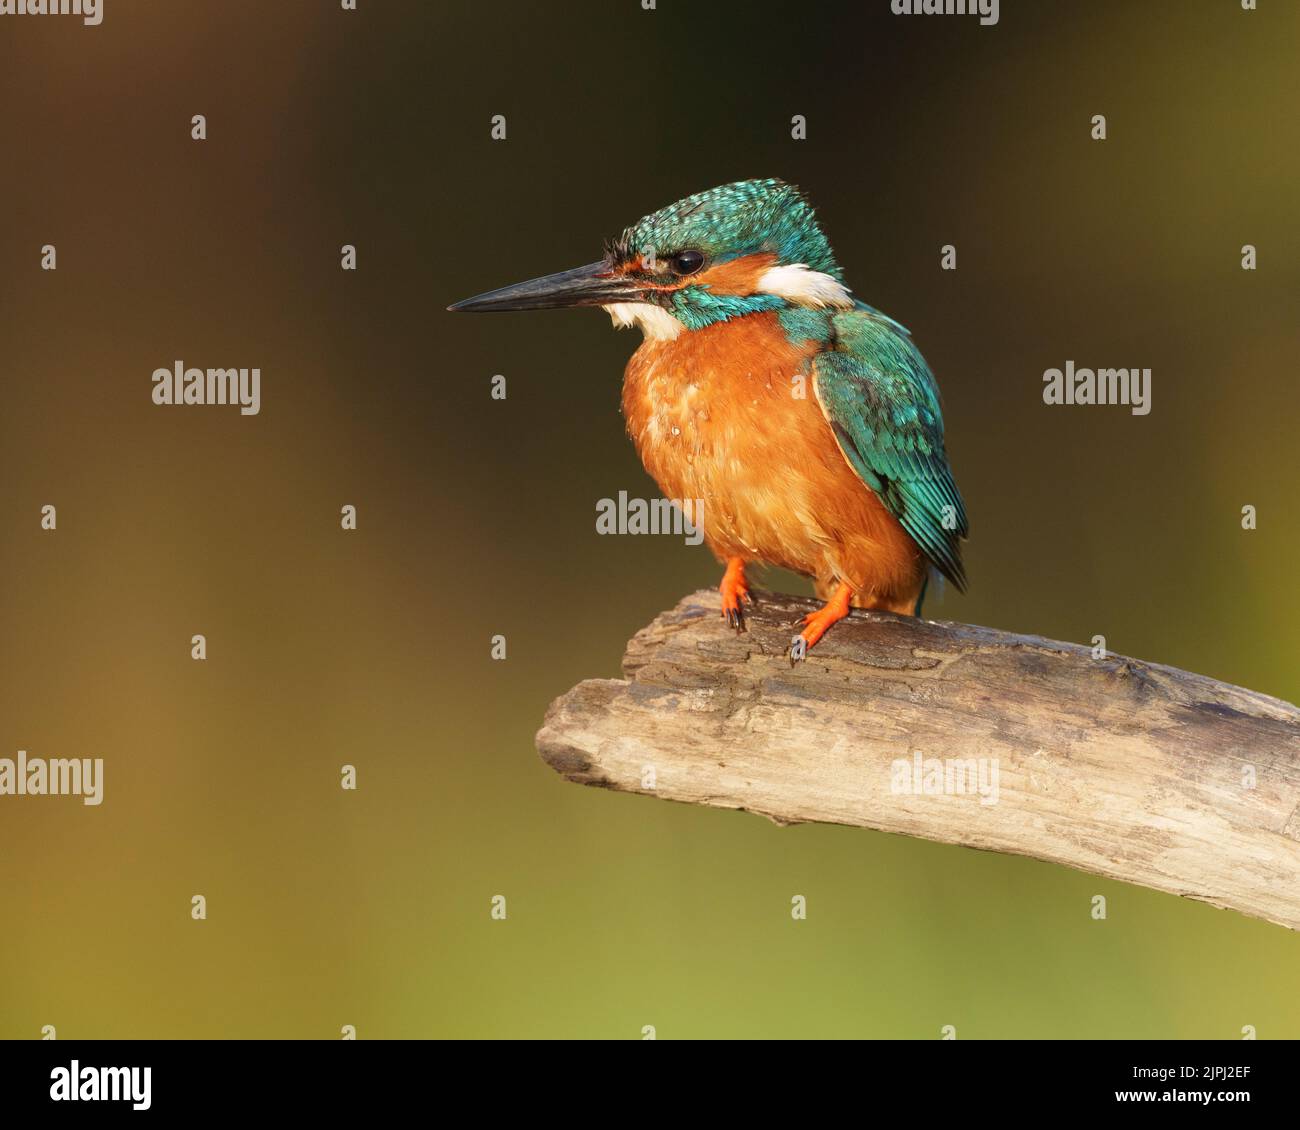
[1126, 769]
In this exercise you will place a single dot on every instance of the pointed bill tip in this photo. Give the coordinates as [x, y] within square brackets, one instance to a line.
[592, 285]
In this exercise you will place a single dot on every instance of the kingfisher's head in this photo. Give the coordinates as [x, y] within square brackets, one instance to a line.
[738, 249]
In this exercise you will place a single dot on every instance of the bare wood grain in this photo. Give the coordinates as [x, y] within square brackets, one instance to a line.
[1127, 769]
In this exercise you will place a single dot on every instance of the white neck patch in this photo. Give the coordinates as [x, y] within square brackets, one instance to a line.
[655, 322]
[806, 287]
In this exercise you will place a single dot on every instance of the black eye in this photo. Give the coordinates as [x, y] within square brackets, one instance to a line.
[687, 262]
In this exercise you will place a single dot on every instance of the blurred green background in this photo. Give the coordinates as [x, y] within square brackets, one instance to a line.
[476, 516]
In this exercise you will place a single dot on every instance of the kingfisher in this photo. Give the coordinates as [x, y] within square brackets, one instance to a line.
[806, 421]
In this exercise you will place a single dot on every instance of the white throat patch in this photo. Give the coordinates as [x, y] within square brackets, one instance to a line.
[655, 322]
[806, 287]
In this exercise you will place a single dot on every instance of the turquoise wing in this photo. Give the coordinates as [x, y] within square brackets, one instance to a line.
[881, 401]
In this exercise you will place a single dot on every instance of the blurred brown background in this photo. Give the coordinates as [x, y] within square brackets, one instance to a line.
[476, 516]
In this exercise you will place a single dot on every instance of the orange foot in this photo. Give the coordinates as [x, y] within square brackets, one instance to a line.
[735, 593]
[816, 623]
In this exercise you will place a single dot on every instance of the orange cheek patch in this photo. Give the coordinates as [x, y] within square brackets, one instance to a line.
[739, 276]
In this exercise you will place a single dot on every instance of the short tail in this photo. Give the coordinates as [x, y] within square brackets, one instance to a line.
[920, 597]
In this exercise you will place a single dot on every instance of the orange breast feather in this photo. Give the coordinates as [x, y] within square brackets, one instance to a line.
[727, 415]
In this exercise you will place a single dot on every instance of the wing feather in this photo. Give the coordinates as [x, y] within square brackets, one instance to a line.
[882, 404]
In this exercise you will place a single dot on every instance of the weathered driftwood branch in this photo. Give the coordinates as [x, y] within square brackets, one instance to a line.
[1127, 769]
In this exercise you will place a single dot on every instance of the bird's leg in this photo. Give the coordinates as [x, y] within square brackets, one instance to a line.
[735, 593]
[816, 623]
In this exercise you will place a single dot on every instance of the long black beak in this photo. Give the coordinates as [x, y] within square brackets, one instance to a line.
[592, 285]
